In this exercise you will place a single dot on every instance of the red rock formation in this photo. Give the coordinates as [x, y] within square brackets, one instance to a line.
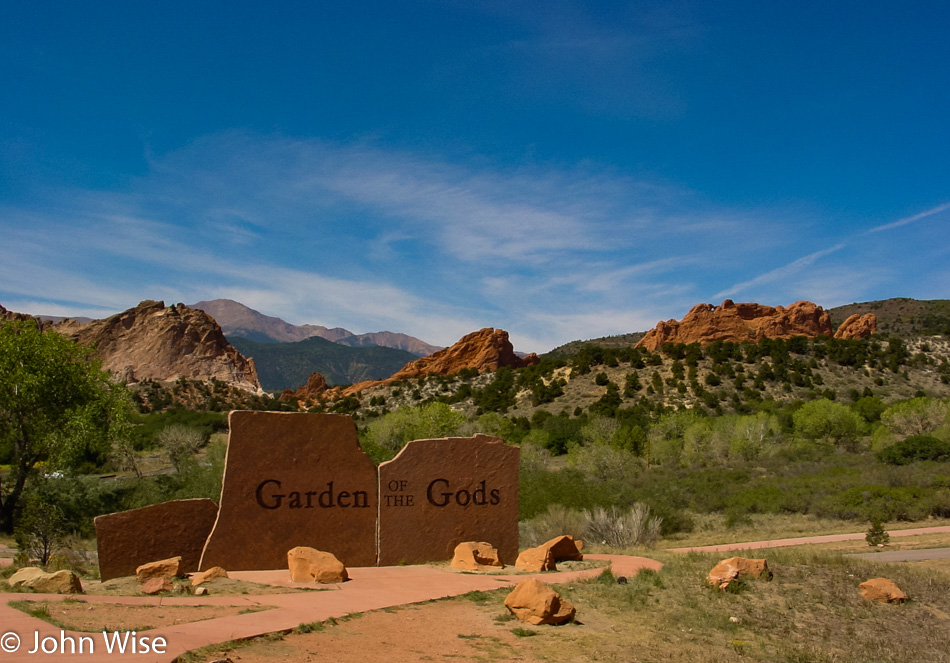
[485, 350]
[315, 388]
[858, 326]
[155, 342]
[706, 323]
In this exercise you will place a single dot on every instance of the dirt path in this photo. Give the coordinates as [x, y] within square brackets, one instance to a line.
[804, 540]
[369, 589]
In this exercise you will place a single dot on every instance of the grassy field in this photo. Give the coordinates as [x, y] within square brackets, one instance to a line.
[811, 612]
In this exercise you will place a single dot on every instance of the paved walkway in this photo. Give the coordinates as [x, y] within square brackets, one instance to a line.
[370, 588]
[828, 538]
[905, 555]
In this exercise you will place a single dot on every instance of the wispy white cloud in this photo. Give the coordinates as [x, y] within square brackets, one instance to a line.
[787, 271]
[366, 238]
[911, 219]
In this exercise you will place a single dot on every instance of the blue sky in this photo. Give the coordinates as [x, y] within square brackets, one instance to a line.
[561, 170]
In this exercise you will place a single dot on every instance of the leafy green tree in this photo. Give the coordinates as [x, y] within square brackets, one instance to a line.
[56, 407]
[829, 421]
[915, 416]
[388, 434]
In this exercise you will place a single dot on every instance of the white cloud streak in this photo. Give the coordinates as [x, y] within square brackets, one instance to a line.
[911, 219]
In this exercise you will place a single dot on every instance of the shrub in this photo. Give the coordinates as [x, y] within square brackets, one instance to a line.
[558, 520]
[915, 448]
[619, 529]
[180, 443]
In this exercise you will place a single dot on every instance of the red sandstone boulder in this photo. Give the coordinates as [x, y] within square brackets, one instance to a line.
[882, 590]
[535, 560]
[729, 321]
[311, 565]
[735, 568]
[476, 556]
[534, 602]
[210, 574]
[163, 568]
[858, 326]
[156, 585]
[565, 548]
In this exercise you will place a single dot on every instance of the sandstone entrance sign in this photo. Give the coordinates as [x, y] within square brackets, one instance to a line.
[293, 480]
[129, 539]
[438, 493]
[296, 480]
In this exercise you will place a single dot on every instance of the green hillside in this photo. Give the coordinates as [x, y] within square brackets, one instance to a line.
[288, 365]
[901, 316]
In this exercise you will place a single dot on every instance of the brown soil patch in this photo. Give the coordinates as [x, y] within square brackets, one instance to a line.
[78, 615]
[455, 630]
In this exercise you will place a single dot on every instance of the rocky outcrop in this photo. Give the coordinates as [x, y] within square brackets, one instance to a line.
[155, 342]
[10, 316]
[729, 321]
[535, 603]
[315, 388]
[858, 326]
[487, 349]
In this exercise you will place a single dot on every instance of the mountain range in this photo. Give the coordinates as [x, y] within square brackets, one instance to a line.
[238, 320]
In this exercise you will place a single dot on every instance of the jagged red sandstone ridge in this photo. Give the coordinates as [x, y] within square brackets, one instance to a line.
[316, 386]
[857, 326]
[706, 323]
[485, 350]
[154, 342]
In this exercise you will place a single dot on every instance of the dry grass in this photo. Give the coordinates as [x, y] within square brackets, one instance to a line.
[811, 612]
[77, 615]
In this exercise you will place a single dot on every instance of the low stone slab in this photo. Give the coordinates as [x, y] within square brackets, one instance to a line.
[210, 574]
[293, 479]
[309, 565]
[476, 556]
[162, 568]
[128, 539]
[882, 590]
[533, 602]
[438, 493]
